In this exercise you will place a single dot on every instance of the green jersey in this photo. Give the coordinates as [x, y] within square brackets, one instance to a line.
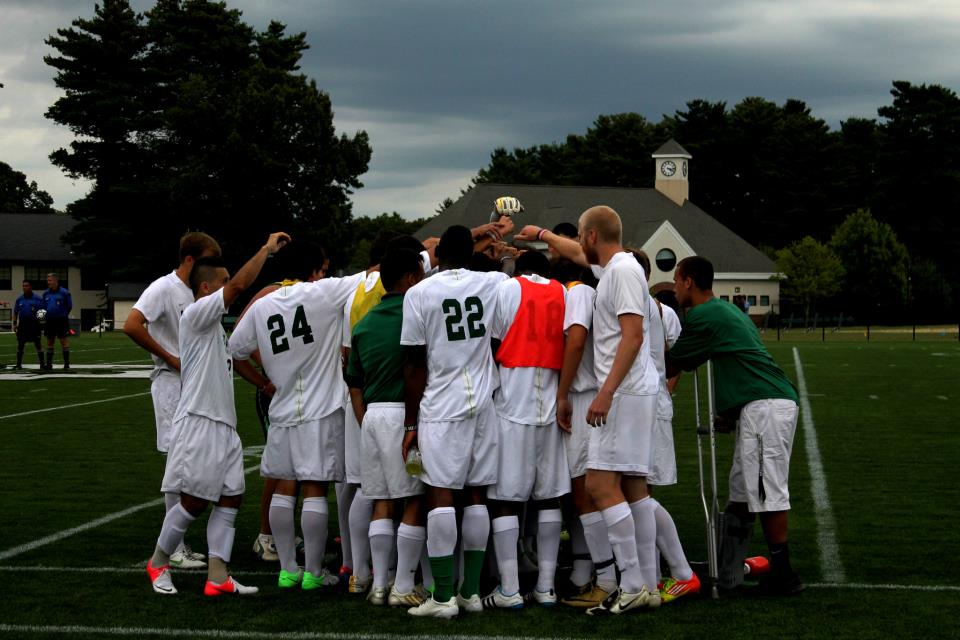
[376, 355]
[743, 369]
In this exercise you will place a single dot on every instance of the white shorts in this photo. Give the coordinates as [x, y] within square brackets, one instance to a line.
[578, 440]
[624, 442]
[761, 456]
[532, 463]
[309, 451]
[663, 462]
[165, 391]
[351, 447]
[381, 441]
[205, 459]
[462, 453]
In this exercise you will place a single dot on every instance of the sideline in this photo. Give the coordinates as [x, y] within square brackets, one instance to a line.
[71, 406]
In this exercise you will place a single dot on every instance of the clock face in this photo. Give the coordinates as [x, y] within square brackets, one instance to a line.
[684, 166]
[668, 168]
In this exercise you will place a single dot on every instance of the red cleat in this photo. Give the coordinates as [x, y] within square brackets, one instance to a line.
[756, 566]
[227, 587]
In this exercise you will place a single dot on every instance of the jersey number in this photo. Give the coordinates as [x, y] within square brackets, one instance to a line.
[454, 317]
[302, 330]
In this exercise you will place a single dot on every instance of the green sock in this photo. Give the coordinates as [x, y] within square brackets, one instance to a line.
[472, 567]
[442, 568]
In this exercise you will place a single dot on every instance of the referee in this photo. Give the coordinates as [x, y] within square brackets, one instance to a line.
[58, 303]
[25, 323]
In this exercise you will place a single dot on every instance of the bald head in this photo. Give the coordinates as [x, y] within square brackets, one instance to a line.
[605, 221]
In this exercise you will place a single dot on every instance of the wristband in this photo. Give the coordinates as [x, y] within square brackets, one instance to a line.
[493, 236]
[540, 235]
[410, 427]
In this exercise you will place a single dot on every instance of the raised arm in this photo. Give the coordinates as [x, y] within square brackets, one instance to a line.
[243, 278]
[565, 247]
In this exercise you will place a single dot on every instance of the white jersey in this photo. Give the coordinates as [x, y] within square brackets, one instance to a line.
[671, 324]
[622, 290]
[206, 371]
[655, 332]
[161, 305]
[527, 395]
[449, 313]
[579, 311]
[297, 329]
[369, 282]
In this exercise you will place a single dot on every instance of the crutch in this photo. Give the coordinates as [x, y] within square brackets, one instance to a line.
[711, 509]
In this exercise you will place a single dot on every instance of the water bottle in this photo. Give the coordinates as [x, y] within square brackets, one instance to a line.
[414, 463]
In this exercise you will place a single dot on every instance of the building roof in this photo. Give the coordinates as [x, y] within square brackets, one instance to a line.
[643, 211]
[35, 237]
[672, 149]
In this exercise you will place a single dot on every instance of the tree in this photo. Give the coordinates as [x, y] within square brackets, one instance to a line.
[812, 273]
[19, 196]
[875, 265]
[213, 128]
[365, 229]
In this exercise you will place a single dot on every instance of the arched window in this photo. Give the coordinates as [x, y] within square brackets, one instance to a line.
[666, 260]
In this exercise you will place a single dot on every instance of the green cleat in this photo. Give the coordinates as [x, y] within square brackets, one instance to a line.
[289, 579]
[325, 579]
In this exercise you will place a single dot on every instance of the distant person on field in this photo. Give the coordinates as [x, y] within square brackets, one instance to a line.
[25, 323]
[751, 388]
[58, 303]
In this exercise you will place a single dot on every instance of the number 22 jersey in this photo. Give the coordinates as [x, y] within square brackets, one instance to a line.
[450, 313]
[297, 329]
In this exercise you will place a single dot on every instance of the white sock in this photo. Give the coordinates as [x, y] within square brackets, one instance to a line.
[645, 530]
[506, 533]
[598, 542]
[582, 567]
[441, 532]
[623, 540]
[476, 527]
[381, 542]
[175, 525]
[345, 494]
[409, 545]
[314, 517]
[170, 500]
[425, 570]
[360, 512]
[550, 522]
[668, 543]
[284, 533]
[220, 532]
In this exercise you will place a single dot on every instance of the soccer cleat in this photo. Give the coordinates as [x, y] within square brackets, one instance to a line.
[603, 608]
[775, 585]
[161, 580]
[498, 600]
[591, 595]
[629, 601]
[755, 566]
[345, 573]
[184, 558]
[324, 579]
[673, 588]
[433, 609]
[228, 587]
[377, 596]
[413, 599]
[543, 598]
[471, 604]
[289, 579]
[358, 584]
[265, 549]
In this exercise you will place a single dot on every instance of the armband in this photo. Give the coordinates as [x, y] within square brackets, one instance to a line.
[410, 427]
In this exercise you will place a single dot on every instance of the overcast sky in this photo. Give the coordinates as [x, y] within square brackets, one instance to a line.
[438, 84]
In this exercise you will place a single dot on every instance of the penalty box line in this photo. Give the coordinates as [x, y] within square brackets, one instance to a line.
[110, 517]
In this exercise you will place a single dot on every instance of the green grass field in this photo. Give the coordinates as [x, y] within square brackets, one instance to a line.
[885, 421]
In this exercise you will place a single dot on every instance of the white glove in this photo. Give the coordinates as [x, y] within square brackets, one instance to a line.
[507, 206]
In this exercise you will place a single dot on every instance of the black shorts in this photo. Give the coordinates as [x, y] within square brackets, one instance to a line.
[56, 327]
[28, 333]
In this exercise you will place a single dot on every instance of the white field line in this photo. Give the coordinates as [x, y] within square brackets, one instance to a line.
[242, 635]
[855, 586]
[110, 517]
[831, 567]
[74, 350]
[71, 406]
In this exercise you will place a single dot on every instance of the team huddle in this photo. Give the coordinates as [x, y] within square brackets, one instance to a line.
[459, 391]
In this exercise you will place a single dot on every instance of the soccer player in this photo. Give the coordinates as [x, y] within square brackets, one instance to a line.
[297, 331]
[751, 388]
[25, 323]
[375, 377]
[532, 464]
[58, 303]
[449, 380]
[624, 409]
[205, 460]
[154, 324]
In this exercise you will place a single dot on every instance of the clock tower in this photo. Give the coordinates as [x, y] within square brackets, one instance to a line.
[673, 171]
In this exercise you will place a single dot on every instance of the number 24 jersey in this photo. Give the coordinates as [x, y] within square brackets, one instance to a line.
[297, 329]
[450, 313]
